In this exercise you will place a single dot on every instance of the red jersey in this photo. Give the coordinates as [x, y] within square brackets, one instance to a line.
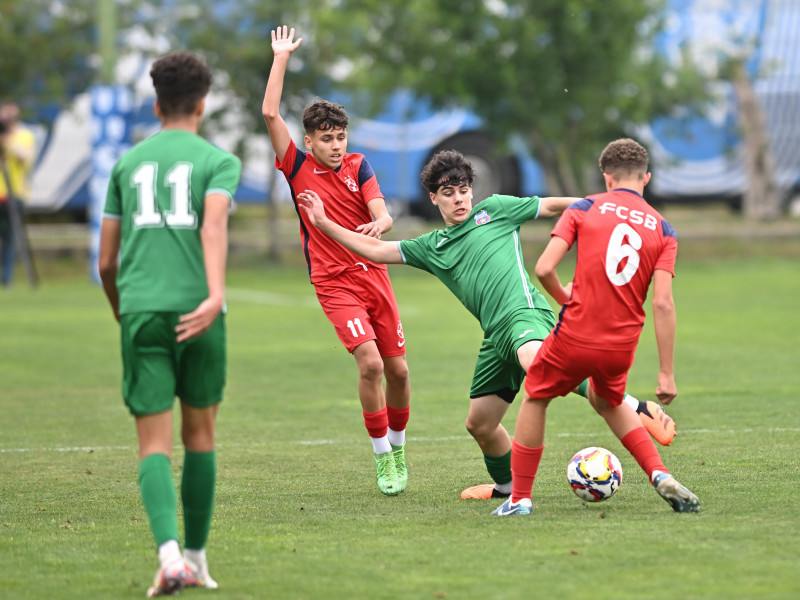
[622, 240]
[345, 193]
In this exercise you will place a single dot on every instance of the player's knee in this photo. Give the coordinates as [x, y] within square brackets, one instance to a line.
[397, 374]
[371, 369]
[478, 428]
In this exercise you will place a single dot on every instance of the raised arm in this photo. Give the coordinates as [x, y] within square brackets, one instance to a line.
[283, 44]
[664, 321]
[369, 247]
[553, 206]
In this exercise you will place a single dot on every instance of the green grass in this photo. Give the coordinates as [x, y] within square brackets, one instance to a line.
[298, 514]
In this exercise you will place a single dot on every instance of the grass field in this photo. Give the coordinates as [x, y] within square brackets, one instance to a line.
[298, 514]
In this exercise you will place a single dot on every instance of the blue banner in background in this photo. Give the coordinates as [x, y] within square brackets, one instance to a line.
[112, 107]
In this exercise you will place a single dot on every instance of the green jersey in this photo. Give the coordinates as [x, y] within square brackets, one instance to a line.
[480, 259]
[157, 189]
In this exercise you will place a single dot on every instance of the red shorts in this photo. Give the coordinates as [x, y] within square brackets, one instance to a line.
[560, 366]
[361, 305]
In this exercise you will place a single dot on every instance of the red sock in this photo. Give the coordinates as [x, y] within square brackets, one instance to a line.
[376, 423]
[398, 417]
[524, 464]
[642, 448]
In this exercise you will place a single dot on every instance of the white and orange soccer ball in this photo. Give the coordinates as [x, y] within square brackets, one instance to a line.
[594, 474]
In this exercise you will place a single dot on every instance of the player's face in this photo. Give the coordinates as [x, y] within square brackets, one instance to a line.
[454, 202]
[328, 147]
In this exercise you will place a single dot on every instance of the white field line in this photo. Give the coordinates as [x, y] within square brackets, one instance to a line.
[451, 438]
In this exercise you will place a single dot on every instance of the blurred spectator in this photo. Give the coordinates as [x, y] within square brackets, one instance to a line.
[17, 150]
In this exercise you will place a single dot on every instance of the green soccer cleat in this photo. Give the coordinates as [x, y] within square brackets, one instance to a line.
[387, 473]
[399, 453]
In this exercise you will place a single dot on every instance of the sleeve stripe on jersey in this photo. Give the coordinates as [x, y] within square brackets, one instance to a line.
[521, 267]
[224, 192]
[299, 159]
[583, 204]
[400, 249]
[667, 230]
[365, 172]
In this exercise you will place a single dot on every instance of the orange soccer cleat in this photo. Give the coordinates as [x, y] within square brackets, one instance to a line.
[658, 423]
[482, 492]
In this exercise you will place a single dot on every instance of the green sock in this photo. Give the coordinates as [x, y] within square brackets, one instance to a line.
[197, 495]
[158, 494]
[499, 467]
[583, 388]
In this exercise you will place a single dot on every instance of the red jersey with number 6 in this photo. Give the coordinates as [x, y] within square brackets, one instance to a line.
[345, 194]
[622, 240]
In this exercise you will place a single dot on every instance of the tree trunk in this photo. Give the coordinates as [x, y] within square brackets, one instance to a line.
[762, 198]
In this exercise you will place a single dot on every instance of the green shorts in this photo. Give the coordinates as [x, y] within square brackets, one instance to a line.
[156, 368]
[497, 370]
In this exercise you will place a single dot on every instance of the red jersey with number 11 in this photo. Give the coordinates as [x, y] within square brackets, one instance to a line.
[345, 193]
[621, 240]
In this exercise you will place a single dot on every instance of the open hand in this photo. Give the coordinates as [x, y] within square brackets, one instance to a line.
[199, 320]
[283, 40]
[311, 204]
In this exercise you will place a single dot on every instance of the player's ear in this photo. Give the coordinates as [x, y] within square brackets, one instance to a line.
[433, 198]
[307, 141]
[157, 110]
[200, 109]
[647, 177]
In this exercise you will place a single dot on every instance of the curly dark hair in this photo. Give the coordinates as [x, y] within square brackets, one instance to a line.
[624, 157]
[322, 115]
[181, 80]
[448, 167]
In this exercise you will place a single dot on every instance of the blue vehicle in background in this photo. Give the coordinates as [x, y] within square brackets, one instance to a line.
[693, 159]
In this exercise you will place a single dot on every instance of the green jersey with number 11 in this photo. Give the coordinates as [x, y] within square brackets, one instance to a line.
[480, 259]
[157, 189]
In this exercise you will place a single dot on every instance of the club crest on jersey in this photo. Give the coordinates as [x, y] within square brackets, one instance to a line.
[482, 218]
[351, 184]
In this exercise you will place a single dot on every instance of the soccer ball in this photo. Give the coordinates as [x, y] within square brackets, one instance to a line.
[594, 474]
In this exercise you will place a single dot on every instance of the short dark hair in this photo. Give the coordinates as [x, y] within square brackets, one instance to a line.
[624, 157]
[322, 115]
[448, 167]
[181, 80]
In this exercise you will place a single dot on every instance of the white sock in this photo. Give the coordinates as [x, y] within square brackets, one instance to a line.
[381, 445]
[504, 488]
[397, 438]
[631, 401]
[168, 552]
[656, 473]
[196, 557]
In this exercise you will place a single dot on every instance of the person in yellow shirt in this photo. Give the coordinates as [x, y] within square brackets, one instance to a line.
[17, 152]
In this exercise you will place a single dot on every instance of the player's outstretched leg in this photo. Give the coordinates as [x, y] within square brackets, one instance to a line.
[523, 507]
[387, 473]
[399, 453]
[170, 579]
[678, 496]
[657, 422]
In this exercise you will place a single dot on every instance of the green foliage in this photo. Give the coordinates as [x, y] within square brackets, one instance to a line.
[44, 55]
[567, 75]
[298, 514]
